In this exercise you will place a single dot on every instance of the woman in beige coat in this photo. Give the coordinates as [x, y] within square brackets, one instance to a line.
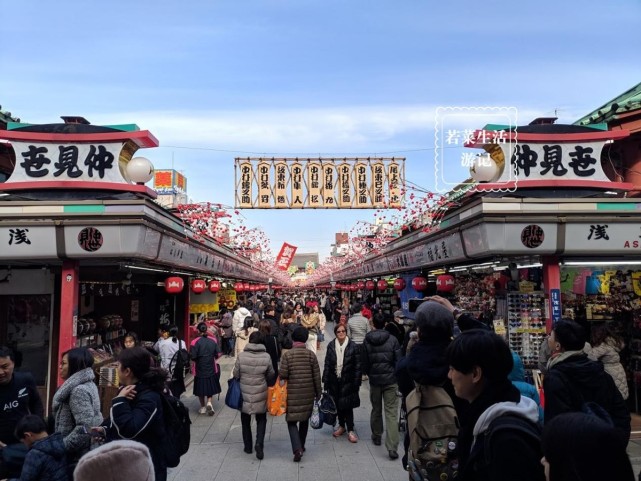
[255, 371]
[605, 348]
[300, 368]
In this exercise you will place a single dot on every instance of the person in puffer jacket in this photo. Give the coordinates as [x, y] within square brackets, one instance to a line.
[517, 378]
[46, 459]
[379, 354]
[255, 371]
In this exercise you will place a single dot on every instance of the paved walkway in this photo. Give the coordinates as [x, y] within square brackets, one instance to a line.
[217, 453]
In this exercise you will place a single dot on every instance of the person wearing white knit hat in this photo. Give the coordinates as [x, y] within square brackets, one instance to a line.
[114, 461]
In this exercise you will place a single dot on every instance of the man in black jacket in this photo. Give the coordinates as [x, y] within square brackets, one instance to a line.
[379, 353]
[573, 380]
[18, 397]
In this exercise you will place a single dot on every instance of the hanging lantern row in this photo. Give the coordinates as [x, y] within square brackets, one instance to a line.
[175, 285]
[444, 283]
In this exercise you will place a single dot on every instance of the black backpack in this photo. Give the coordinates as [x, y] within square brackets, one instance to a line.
[177, 428]
[512, 422]
[179, 364]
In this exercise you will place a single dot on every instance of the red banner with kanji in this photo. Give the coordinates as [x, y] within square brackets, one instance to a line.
[285, 256]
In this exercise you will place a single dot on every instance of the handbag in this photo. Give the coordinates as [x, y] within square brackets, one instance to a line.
[234, 397]
[328, 409]
[277, 398]
[315, 420]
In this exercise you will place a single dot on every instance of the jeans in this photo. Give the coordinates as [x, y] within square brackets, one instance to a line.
[297, 434]
[261, 424]
[346, 417]
[379, 395]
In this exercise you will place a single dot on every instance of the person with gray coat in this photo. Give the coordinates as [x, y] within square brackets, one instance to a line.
[255, 371]
[76, 403]
[358, 325]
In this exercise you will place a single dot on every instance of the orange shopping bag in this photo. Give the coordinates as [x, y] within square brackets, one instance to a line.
[277, 398]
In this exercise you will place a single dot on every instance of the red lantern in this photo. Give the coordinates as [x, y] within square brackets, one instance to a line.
[382, 285]
[399, 284]
[419, 284]
[246, 287]
[239, 287]
[360, 285]
[445, 283]
[370, 285]
[174, 285]
[214, 286]
[198, 286]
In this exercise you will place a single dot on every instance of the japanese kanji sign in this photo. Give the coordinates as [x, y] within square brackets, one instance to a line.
[169, 182]
[292, 183]
[94, 162]
[285, 256]
[569, 157]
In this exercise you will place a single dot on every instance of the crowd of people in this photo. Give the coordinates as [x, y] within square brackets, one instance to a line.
[505, 433]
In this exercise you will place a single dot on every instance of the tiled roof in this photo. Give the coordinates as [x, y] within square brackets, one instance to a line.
[624, 103]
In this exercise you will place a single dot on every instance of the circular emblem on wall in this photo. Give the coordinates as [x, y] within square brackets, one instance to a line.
[90, 239]
[532, 236]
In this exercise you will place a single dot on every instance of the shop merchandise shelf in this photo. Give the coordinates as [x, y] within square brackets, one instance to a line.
[526, 325]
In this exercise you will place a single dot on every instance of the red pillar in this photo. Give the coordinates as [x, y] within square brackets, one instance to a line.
[68, 307]
[552, 282]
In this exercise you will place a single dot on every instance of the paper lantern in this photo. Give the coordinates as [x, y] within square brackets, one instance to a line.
[370, 285]
[382, 285]
[239, 287]
[198, 286]
[445, 283]
[399, 284]
[419, 284]
[246, 287]
[214, 286]
[360, 285]
[174, 285]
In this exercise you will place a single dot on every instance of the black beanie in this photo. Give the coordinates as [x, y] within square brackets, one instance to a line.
[300, 334]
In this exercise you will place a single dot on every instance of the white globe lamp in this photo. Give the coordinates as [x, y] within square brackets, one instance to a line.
[484, 169]
[140, 170]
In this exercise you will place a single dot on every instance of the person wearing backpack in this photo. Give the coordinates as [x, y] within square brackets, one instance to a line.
[574, 380]
[426, 364]
[167, 347]
[204, 352]
[137, 411]
[499, 438]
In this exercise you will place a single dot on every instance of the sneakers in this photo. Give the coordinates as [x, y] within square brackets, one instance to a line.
[339, 432]
[202, 410]
[393, 454]
[352, 437]
[210, 409]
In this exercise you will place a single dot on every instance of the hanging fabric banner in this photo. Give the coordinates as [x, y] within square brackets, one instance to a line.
[280, 188]
[246, 179]
[378, 184]
[344, 185]
[361, 198]
[329, 185]
[285, 256]
[296, 170]
[263, 172]
[314, 182]
[394, 182]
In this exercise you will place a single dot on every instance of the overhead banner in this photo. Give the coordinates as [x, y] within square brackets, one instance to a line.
[322, 183]
[285, 256]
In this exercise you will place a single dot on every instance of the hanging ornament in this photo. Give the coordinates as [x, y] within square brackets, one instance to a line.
[399, 284]
[239, 287]
[445, 283]
[381, 285]
[370, 285]
[198, 286]
[214, 286]
[360, 285]
[419, 284]
[174, 285]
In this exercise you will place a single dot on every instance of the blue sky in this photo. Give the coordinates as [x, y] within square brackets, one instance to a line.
[218, 79]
